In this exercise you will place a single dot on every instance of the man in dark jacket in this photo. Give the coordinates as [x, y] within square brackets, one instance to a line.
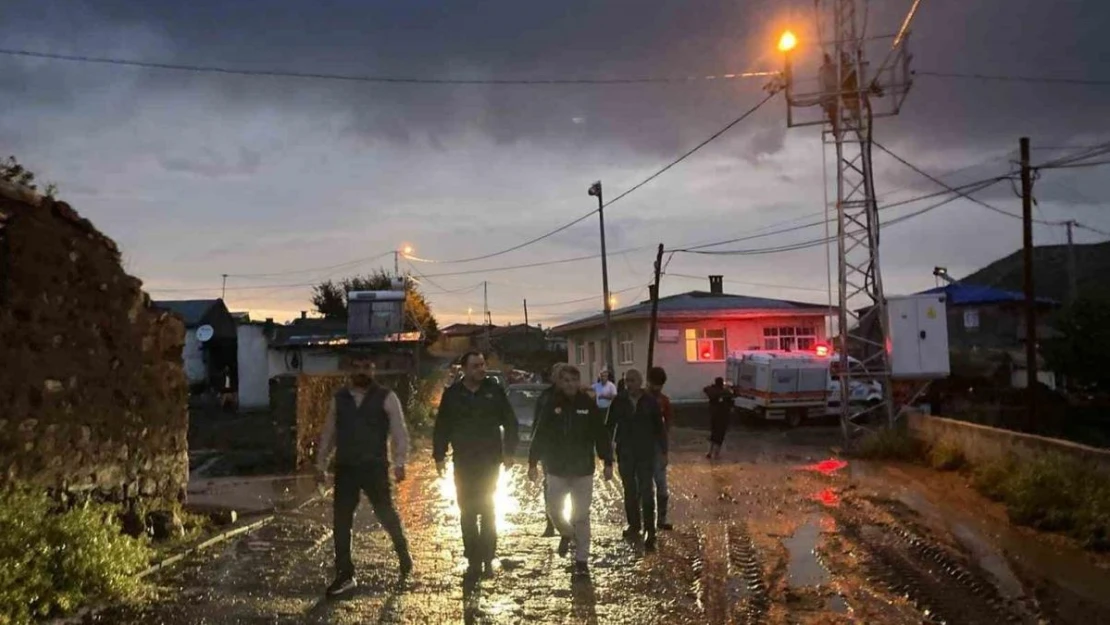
[541, 406]
[571, 432]
[362, 418]
[637, 425]
[472, 414]
[720, 412]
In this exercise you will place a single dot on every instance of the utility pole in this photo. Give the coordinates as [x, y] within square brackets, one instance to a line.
[595, 190]
[655, 308]
[485, 306]
[1073, 287]
[1030, 296]
[397, 263]
[223, 289]
[526, 314]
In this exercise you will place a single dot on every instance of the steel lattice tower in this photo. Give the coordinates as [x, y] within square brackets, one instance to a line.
[848, 97]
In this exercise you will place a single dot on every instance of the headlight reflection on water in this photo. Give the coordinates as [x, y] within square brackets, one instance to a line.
[505, 498]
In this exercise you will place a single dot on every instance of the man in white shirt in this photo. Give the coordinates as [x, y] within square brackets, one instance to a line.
[605, 391]
[364, 419]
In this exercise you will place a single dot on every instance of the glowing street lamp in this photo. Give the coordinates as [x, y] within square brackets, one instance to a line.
[612, 302]
[787, 41]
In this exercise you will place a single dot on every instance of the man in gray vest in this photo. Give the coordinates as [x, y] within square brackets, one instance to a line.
[364, 419]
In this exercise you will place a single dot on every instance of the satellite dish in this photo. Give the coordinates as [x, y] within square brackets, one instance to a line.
[204, 333]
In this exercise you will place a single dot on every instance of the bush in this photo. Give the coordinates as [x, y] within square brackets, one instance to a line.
[946, 456]
[890, 444]
[1052, 493]
[422, 398]
[55, 562]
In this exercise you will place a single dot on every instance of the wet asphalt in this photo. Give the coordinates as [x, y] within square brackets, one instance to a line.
[776, 531]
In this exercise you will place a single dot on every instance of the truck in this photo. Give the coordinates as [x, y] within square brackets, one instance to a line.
[792, 385]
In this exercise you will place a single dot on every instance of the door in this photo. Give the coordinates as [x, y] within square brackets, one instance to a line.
[591, 359]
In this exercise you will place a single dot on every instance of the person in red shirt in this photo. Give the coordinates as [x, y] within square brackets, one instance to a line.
[656, 378]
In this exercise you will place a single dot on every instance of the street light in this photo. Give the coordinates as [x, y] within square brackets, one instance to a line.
[612, 302]
[406, 251]
[787, 41]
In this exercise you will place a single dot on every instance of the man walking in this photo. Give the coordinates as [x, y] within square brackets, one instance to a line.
[657, 378]
[604, 390]
[541, 404]
[472, 414]
[637, 425]
[362, 418]
[571, 431]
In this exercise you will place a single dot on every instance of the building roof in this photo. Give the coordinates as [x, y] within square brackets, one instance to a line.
[704, 304]
[307, 332]
[462, 329]
[191, 311]
[959, 294]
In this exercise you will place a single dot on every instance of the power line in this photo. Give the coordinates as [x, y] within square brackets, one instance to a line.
[618, 198]
[311, 269]
[756, 284]
[408, 80]
[1024, 79]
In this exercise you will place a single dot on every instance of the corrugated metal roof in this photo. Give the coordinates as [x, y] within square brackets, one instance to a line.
[959, 294]
[697, 302]
[191, 311]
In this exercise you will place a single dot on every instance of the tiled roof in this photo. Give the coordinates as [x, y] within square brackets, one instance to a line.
[191, 311]
[960, 293]
[698, 303]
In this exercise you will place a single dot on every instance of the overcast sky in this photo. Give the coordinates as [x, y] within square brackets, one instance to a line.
[196, 175]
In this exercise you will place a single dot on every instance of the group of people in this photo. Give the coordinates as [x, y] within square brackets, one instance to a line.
[572, 429]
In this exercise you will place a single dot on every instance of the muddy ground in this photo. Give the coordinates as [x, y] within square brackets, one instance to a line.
[777, 531]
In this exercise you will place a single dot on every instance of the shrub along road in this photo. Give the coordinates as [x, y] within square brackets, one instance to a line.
[775, 532]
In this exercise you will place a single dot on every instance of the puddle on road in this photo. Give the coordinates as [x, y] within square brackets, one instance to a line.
[837, 604]
[803, 569]
[990, 560]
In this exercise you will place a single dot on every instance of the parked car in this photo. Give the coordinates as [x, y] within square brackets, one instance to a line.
[523, 399]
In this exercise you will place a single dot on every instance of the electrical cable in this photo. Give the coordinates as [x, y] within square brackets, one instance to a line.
[609, 203]
[410, 80]
[1024, 79]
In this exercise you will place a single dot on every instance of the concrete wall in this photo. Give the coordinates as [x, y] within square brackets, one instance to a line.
[254, 367]
[93, 396]
[313, 361]
[982, 444]
[685, 380]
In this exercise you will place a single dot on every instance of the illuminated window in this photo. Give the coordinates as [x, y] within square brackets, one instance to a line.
[626, 348]
[790, 337]
[705, 345]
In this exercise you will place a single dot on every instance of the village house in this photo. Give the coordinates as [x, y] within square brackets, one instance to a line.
[211, 341]
[696, 332]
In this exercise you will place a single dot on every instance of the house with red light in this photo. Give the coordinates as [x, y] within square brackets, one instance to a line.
[696, 331]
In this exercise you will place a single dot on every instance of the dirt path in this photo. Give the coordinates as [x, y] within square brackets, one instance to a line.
[776, 532]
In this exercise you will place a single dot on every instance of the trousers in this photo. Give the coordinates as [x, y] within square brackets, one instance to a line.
[475, 487]
[662, 492]
[350, 481]
[637, 478]
[580, 489]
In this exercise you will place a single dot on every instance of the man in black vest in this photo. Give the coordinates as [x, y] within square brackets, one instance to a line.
[471, 417]
[362, 418]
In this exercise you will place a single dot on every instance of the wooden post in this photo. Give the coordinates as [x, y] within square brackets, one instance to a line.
[654, 289]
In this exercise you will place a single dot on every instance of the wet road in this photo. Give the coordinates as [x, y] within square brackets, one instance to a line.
[775, 532]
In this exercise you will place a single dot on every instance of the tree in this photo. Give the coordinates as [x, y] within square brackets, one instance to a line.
[330, 300]
[12, 171]
[1083, 342]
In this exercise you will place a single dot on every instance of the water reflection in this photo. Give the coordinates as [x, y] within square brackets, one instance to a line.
[505, 500]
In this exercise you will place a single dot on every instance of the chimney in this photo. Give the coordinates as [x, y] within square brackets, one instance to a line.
[717, 285]
[304, 314]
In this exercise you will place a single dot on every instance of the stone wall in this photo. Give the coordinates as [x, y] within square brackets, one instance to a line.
[92, 392]
[981, 444]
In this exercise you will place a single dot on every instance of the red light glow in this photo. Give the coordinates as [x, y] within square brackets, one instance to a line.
[826, 467]
[822, 350]
[828, 497]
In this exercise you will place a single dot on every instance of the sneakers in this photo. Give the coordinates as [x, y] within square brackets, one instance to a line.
[342, 584]
[405, 565]
[581, 569]
[564, 546]
[649, 544]
[631, 534]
